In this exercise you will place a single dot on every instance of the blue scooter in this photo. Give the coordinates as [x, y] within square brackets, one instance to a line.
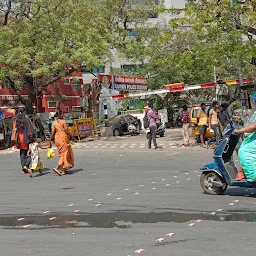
[221, 173]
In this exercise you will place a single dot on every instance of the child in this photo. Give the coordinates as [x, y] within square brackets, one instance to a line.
[33, 152]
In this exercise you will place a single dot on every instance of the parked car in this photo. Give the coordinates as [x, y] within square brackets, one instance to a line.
[120, 124]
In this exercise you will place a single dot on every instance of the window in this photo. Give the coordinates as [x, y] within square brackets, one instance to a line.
[67, 109]
[95, 70]
[52, 104]
[76, 109]
[7, 84]
[66, 81]
[76, 84]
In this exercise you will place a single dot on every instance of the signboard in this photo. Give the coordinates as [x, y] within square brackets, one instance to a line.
[85, 126]
[123, 83]
[84, 129]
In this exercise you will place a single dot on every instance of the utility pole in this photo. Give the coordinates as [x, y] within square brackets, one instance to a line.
[240, 70]
[215, 81]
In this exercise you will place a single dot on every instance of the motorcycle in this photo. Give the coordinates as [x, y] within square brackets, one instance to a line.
[159, 132]
[221, 173]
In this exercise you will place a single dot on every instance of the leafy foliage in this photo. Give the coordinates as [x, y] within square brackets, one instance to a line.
[42, 41]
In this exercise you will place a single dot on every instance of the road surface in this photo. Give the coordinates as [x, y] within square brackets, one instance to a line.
[122, 201]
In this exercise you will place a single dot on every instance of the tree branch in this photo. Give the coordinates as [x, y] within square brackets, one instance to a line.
[20, 98]
[6, 15]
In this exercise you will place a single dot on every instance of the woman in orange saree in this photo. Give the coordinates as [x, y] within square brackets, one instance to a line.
[62, 136]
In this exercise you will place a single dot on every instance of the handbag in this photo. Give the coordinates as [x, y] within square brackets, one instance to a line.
[50, 153]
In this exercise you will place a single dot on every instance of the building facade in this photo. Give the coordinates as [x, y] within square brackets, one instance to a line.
[64, 94]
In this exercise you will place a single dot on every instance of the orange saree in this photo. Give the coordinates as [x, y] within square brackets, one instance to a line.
[62, 142]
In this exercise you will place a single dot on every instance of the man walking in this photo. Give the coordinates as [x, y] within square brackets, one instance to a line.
[231, 110]
[152, 119]
[185, 119]
[214, 122]
[202, 123]
[223, 115]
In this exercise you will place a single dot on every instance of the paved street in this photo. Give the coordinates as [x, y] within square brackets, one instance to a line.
[120, 200]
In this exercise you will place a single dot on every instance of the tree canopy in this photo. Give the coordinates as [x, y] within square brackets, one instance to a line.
[42, 41]
[207, 36]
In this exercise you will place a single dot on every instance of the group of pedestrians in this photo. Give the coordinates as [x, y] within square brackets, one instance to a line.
[214, 120]
[218, 117]
[25, 139]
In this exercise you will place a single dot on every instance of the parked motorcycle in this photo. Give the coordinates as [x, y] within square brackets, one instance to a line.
[160, 130]
[221, 173]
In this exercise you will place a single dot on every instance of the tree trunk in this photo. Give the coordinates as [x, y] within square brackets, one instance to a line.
[166, 99]
[29, 104]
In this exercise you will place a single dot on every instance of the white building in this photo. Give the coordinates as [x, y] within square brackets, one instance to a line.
[162, 19]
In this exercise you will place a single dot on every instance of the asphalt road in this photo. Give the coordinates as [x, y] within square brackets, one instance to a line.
[117, 201]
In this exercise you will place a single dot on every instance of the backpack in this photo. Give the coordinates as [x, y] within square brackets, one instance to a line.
[145, 121]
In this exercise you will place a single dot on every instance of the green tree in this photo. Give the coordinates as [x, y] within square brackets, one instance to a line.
[42, 41]
[207, 36]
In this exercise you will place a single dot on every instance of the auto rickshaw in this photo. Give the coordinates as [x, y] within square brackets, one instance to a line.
[193, 117]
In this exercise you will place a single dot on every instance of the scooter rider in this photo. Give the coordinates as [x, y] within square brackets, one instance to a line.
[247, 151]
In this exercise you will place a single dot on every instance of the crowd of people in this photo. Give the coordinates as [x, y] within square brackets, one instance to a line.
[25, 138]
[214, 119]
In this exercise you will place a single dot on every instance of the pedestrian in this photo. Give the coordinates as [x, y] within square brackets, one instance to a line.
[185, 119]
[223, 115]
[214, 122]
[202, 121]
[62, 136]
[231, 110]
[50, 124]
[152, 119]
[33, 153]
[24, 129]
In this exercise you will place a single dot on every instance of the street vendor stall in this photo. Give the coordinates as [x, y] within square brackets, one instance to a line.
[6, 126]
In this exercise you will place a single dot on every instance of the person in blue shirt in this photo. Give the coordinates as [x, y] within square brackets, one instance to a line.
[50, 124]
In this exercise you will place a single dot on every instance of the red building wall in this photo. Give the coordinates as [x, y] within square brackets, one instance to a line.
[70, 90]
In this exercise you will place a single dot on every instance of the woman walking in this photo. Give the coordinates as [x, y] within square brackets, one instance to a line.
[24, 129]
[62, 136]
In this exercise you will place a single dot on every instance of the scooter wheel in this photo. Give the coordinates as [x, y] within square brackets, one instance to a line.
[208, 183]
[147, 136]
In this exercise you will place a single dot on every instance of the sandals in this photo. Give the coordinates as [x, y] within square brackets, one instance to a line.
[57, 171]
[30, 173]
